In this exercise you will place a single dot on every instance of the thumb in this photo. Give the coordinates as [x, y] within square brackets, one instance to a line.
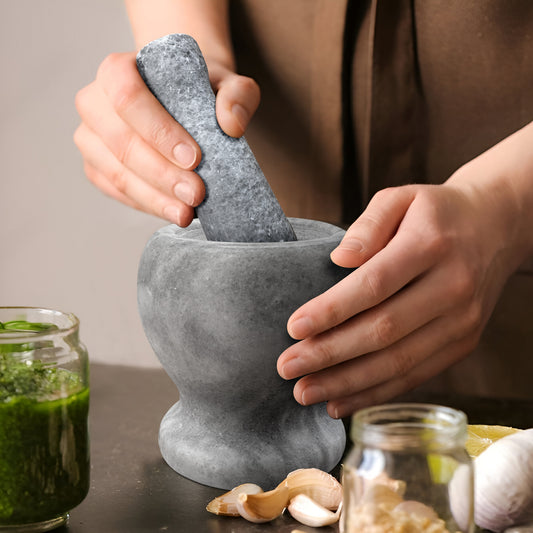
[237, 100]
[376, 226]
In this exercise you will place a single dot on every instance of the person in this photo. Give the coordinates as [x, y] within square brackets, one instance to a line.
[410, 121]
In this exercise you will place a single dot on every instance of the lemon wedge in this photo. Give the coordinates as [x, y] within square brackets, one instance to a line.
[481, 436]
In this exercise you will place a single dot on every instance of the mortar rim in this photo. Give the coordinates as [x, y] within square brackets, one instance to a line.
[194, 230]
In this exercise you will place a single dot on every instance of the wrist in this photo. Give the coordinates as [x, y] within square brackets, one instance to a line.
[500, 183]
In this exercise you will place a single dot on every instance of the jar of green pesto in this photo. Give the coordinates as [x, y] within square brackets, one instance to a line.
[44, 403]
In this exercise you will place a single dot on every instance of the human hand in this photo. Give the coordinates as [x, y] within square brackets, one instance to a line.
[432, 260]
[135, 152]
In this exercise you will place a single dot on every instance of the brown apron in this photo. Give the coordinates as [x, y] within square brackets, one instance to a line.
[364, 94]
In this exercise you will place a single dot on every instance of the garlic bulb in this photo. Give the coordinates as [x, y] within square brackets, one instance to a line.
[503, 486]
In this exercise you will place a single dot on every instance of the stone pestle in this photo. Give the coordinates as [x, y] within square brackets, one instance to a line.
[239, 205]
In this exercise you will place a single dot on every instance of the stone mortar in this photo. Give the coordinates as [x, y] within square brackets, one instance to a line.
[215, 314]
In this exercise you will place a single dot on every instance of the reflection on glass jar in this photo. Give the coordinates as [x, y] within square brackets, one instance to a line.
[44, 402]
[408, 471]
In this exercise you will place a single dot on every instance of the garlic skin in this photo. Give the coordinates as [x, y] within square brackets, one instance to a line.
[320, 486]
[264, 506]
[503, 486]
[226, 504]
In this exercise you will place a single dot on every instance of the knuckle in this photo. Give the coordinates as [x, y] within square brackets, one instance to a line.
[110, 65]
[77, 137]
[463, 285]
[384, 194]
[474, 316]
[80, 100]
[332, 314]
[124, 96]
[374, 281]
[160, 134]
[384, 330]
[91, 173]
[402, 364]
[436, 242]
[325, 353]
[119, 179]
[124, 147]
[346, 384]
[248, 85]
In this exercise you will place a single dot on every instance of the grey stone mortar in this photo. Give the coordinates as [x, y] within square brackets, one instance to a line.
[215, 314]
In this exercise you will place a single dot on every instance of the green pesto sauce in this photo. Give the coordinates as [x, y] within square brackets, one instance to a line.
[44, 444]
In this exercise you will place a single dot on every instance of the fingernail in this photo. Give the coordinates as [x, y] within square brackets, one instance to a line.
[291, 369]
[172, 213]
[184, 192]
[300, 328]
[313, 394]
[241, 115]
[354, 245]
[185, 155]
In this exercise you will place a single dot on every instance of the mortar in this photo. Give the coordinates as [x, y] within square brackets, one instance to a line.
[216, 315]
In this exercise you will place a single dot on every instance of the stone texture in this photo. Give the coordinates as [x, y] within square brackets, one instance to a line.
[215, 314]
[239, 205]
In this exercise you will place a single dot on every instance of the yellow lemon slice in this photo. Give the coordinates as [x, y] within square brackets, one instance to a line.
[481, 436]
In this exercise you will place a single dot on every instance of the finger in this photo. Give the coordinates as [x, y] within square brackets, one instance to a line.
[376, 226]
[136, 105]
[133, 152]
[430, 367]
[102, 183]
[237, 100]
[118, 181]
[401, 261]
[432, 295]
[378, 367]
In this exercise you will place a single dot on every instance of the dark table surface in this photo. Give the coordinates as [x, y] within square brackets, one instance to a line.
[132, 488]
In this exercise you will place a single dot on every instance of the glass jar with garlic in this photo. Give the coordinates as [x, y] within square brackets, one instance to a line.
[408, 471]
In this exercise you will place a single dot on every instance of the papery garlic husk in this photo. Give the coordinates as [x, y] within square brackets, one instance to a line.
[461, 495]
[226, 504]
[310, 513]
[265, 506]
[503, 487]
[320, 486]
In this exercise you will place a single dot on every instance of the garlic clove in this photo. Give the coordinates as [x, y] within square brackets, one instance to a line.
[226, 504]
[320, 486]
[417, 508]
[309, 512]
[265, 506]
[387, 497]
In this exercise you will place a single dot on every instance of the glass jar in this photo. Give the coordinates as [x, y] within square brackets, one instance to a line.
[44, 402]
[408, 471]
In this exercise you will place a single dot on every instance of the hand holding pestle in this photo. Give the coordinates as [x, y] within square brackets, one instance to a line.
[239, 205]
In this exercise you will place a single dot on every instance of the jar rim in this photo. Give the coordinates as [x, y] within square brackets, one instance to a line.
[409, 425]
[67, 323]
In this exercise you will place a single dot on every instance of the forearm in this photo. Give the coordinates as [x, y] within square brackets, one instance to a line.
[503, 177]
[205, 20]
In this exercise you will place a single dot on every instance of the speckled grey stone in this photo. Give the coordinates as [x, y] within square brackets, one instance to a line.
[239, 205]
[215, 314]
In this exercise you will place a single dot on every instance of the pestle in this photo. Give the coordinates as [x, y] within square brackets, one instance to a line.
[239, 205]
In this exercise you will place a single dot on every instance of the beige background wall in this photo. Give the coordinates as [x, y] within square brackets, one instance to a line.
[64, 244]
